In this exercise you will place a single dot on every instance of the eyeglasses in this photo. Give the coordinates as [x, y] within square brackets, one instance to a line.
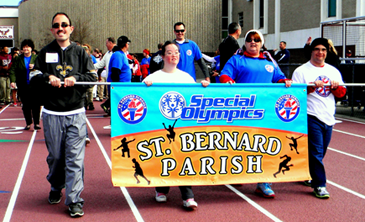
[57, 25]
[172, 53]
[318, 49]
[255, 40]
[182, 30]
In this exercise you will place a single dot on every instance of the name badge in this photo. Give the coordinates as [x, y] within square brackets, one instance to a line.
[51, 57]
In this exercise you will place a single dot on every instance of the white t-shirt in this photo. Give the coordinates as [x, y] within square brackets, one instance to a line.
[321, 102]
[164, 77]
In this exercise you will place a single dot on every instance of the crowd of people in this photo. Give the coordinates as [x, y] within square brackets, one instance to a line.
[64, 105]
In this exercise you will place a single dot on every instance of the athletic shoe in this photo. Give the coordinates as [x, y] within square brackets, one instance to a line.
[87, 141]
[107, 127]
[91, 107]
[97, 99]
[15, 104]
[265, 190]
[104, 107]
[75, 210]
[308, 183]
[160, 197]
[321, 192]
[54, 197]
[190, 203]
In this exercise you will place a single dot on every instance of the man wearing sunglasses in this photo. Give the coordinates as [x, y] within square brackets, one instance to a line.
[189, 52]
[64, 119]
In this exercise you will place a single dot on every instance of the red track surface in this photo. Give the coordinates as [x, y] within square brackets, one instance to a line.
[103, 202]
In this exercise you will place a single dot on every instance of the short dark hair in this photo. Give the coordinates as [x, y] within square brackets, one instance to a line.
[27, 42]
[233, 27]
[283, 42]
[61, 13]
[179, 23]
[159, 46]
[163, 50]
[111, 39]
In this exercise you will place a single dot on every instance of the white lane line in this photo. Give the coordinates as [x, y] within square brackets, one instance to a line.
[347, 154]
[350, 120]
[14, 119]
[14, 195]
[130, 202]
[346, 189]
[351, 134]
[258, 207]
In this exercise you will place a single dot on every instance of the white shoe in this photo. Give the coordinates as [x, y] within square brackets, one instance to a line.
[160, 197]
[190, 203]
[107, 127]
[87, 141]
[97, 99]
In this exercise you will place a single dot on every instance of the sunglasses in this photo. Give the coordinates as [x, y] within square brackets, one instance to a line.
[255, 40]
[57, 25]
[182, 30]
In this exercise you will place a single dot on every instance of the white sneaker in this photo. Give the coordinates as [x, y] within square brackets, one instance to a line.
[97, 99]
[107, 127]
[190, 203]
[160, 197]
[87, 141]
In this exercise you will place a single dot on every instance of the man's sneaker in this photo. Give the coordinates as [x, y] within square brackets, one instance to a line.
[15, 104]
[321, 192]
[190, 203]
[75, 210]
[160, 197]
[107, 127]
[265, 190]
[308, 183]
[103, 106]
[97, 99]
[87, 141]
[91, 107]
[54, 197]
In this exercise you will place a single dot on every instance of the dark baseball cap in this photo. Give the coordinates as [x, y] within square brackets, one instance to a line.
[122, 40]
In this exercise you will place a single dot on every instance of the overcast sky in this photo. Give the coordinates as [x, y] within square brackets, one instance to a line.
[9, 2]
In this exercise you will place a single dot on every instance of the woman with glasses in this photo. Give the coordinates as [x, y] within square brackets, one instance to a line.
[254, 66]
[170, 74]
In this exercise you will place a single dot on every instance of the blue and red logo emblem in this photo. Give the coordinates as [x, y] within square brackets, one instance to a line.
[326, 90]
[132, 109]
[287, 108]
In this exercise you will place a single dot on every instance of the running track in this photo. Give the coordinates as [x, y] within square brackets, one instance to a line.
[24, 188]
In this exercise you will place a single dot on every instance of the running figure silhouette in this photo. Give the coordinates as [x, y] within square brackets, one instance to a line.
[294, 144]
[139, 172]
[125, 146]
[171, 131]
[284, 164]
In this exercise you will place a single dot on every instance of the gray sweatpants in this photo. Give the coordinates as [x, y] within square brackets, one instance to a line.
[65, 140]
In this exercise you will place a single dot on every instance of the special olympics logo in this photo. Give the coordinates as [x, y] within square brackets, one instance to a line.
[171, 105]
[189, 52]
[132, 109]
[287, 108]
[326, 90]
[269, 68]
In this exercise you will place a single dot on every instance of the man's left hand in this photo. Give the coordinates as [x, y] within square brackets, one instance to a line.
[69, 81]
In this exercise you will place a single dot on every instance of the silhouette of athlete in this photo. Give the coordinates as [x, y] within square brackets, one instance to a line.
[125, 146]
[284, 164]
[294, 144]
[171, 131]
[139, 171]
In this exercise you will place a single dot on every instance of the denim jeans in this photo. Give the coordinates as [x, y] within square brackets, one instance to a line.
[319, 137]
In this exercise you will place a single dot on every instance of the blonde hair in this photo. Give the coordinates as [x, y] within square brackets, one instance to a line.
[330, 43]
